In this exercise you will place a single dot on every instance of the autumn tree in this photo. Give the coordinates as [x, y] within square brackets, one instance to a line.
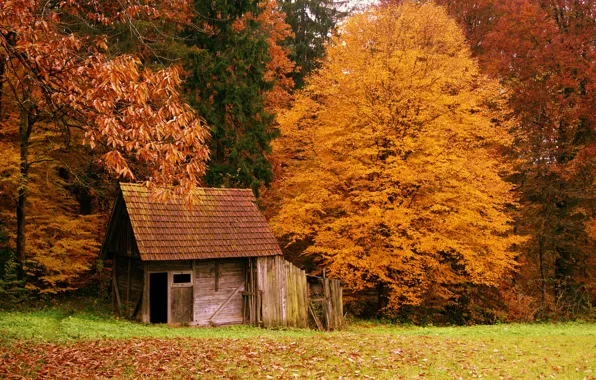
[544, 52]
[394, 153]
[313, 23]
[64, 85]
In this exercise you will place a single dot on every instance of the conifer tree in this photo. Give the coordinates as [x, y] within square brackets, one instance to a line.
[229, 79]
[313, 23]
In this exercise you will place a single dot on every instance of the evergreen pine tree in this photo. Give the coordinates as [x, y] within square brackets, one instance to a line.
[312, 22]
[226, 65]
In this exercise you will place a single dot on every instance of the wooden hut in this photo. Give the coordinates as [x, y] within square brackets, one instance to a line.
[216, 263]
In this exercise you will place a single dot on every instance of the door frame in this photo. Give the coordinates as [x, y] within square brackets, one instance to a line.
[169, 285]
[168, 295]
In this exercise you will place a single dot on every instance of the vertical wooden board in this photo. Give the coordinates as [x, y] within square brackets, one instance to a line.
[295, 297]
[194, 290]
[341, 303]
[269, 293]
[181, 305]
[289, 294]
[262, 283]
[287, 316]
[283, 287]
[128, 285]
[337, 304]
[277, 287]
[145, 306]
[326, 305]
[333, 303]
[304, 299]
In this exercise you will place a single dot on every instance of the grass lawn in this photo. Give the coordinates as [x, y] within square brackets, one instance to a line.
[77, 345]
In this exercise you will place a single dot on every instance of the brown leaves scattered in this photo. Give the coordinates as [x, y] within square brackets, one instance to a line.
[344, 355]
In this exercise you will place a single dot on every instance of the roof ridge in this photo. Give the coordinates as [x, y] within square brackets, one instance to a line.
[139, 185]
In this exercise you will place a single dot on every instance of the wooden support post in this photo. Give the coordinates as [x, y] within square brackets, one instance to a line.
[216, 286]
[114, 302]
[129, 275]
[145, 306]
[314, 316]
[115, 287]
[194, 288]
[137, 306]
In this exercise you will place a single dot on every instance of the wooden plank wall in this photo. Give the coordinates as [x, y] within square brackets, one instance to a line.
[333, 306]
[129, 277]
[326, 303]
[219, 285]
[284, 293]
[252, 295]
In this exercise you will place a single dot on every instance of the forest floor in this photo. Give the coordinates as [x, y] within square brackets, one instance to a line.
[77, 344]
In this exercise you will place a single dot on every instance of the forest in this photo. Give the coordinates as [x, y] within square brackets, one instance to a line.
[438, 157]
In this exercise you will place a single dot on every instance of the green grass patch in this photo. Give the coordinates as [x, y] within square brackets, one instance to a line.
[56, 325]
[80, 344]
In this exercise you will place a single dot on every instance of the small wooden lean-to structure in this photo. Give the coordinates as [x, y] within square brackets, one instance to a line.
[216, 263]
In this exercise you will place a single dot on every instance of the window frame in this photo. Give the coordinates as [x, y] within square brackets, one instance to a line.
[182, 284]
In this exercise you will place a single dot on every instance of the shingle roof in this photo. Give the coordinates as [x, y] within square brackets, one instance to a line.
[222, 223]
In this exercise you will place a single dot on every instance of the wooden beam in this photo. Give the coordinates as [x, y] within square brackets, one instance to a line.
[145, 306]
[226, 302]
[314, 317]
[129, 274]
[193, 265]
[137, 306]
[115, 287]
[216, 275]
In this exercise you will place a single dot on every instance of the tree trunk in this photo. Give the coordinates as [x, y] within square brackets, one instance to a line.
[383, 296]
[2, 71]
[542, 271]
[26, 121]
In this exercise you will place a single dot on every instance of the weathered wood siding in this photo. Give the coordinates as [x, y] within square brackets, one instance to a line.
[219, 285]
[170, 265]
[334, 311]
[128, 275]
[181, 305]
[284, 292]
[326, 303]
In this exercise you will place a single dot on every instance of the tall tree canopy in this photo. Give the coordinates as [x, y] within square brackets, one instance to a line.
[237, 73]
[60, 86]
[545, 52]
[394, 154]
[313, 23]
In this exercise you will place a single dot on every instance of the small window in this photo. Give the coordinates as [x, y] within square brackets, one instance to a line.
[181, 279]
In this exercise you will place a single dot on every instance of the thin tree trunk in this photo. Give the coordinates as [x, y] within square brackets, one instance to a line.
[2, 73]
[542, 271]
[26, 121]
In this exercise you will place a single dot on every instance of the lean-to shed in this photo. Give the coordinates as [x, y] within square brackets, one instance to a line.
[216, 263]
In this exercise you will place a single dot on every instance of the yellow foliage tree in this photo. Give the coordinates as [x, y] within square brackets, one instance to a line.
[62, 244]
[394, 162]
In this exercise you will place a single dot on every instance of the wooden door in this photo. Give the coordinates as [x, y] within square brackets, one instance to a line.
[181, 297]
[181, 306]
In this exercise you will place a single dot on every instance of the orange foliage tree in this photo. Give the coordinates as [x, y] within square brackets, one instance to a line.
[394, 153]
[58, 83]
[544, 52]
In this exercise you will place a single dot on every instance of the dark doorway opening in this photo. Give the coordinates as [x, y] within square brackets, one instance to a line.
[158, 297]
